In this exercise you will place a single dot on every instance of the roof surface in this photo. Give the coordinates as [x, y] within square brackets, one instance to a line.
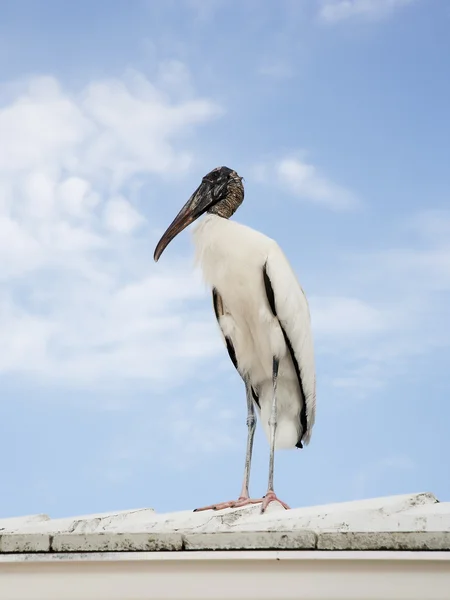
[408, 522]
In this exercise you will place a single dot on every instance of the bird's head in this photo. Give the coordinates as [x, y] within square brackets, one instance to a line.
[221, 192]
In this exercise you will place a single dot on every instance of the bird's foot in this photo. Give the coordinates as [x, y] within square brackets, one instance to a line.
[272, 497]
[241, 501]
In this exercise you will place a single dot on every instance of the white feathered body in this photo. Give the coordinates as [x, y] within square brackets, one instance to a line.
[232, 257]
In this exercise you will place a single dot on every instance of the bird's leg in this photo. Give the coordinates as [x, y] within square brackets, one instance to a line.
[244, 498]
[273, 422]
[270, 494]
[251, 425]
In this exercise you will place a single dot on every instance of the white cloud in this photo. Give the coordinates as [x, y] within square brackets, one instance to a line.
[120, 216]
[343, 316]
[392, 310]
[80, 298]
[340, 10]
[306, 182]
[366, 339]
[418, 268]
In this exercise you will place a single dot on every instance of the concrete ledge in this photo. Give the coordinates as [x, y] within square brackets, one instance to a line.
[412, 522]
[231, 540]
[22, 542]
[251, 540]
[384, 540]
[117, 542]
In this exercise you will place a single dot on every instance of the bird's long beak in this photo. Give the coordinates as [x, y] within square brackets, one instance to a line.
[197, 204]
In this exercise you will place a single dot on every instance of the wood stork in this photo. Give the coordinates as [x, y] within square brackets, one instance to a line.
[264, 317]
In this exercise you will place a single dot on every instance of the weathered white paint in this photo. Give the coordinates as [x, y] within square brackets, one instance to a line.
[409, 522]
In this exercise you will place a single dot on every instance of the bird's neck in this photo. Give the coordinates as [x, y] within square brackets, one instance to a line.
[211, 231]
[213, 241]
[209, 224]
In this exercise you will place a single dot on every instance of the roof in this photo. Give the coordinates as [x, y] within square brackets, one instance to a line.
[406, 522]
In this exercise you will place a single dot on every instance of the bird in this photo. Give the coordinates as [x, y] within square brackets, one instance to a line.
[264, 318]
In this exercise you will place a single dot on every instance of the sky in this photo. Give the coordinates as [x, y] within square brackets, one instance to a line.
[116, 391]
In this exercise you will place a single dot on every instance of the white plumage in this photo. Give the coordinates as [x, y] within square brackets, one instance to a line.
[263, 315]
[232, 257]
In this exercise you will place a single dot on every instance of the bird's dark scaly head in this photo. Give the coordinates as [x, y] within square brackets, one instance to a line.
[221, 192]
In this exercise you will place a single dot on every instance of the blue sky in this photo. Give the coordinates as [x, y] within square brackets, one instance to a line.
[116, 391]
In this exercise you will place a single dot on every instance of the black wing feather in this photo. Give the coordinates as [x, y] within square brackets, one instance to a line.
[271, 299]
[218, 310]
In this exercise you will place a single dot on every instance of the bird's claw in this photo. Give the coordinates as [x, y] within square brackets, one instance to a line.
[272, 497]
[240, 502]
[243, 501]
